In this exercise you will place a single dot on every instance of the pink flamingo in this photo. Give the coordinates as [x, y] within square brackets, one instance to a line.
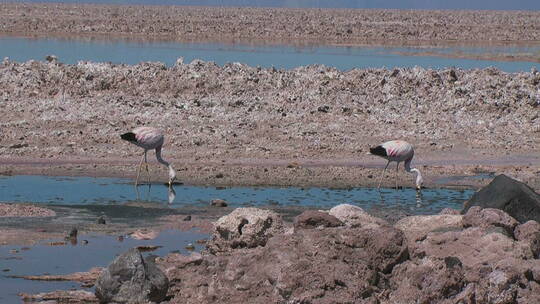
[398, 151]
[149, 138]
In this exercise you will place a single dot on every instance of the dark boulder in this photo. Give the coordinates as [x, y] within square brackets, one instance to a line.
[218, 203]
[131, 279]
[313, 219]
[513, 197]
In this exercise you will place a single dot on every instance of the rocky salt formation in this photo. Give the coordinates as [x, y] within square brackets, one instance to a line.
[61, 296]
[342, 26]
[245, 228]
[24, 210]
[484, 256]
[460, 121]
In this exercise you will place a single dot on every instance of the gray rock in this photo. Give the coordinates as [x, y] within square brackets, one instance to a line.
[417, 227]
[131, 279]
[449, 211]
[513, 197]
[51, 58]
[354, 216]
[312, 219]
[245, 227]
[101, 220]
[218, 203]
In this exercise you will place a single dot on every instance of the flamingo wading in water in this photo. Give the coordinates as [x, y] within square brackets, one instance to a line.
[149, 138]
[397, 151]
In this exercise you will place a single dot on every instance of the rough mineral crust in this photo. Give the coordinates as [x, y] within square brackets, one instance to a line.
[261, 119]
[338, 26]
[24, 210]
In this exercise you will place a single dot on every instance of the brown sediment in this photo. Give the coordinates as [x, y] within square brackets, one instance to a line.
[338, 26]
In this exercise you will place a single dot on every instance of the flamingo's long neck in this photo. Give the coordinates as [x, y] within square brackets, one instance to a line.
[160, 159]
[419, 178]
[172, 173]
[408, 165]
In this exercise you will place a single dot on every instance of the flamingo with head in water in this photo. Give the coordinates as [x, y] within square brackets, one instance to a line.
[397, 151]
[149, 138]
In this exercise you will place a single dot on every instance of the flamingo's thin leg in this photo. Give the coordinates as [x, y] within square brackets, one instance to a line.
[380, 178]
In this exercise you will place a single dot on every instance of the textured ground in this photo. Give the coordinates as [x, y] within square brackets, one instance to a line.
[244, 125]
[238, 124]
[337, 26]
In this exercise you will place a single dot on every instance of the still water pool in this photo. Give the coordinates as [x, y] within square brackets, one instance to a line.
[114, 191]
[344, 58]
[98, 252]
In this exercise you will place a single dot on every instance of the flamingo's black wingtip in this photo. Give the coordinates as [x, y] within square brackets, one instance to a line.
[129, 136]
[378, 150]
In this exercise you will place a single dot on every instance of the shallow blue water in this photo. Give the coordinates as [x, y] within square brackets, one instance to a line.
[287, 57]
[100, 251]
[88, 190]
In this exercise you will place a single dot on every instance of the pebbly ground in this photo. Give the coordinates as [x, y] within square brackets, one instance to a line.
[243, 125]
[272, 25]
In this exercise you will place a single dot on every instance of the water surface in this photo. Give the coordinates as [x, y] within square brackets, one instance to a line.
[286, 57]
[98, 252]
[113, 191]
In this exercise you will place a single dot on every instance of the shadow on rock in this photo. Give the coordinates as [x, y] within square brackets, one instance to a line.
[507, 194]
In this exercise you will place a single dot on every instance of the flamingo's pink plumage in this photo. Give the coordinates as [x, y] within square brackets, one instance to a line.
[149, 138]
[397, 151]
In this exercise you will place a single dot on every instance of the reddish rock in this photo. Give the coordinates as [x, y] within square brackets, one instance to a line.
[489, 217]
[333, 265]
[427, 280]
[529, 232]
[61, 296]
[449, 211]
[24, 210]
[313, 219]
[417, 227]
